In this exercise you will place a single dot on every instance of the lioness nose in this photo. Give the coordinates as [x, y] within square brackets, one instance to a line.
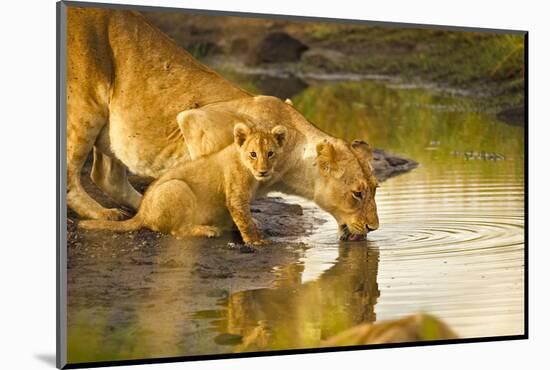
[372, 228]
[263, 173]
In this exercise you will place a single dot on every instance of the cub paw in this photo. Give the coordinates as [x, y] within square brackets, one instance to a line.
[257, 243]
[207, 231]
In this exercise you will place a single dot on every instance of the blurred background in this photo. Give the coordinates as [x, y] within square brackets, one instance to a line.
[487, 66]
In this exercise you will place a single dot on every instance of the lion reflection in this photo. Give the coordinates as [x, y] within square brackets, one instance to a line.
[296, 315]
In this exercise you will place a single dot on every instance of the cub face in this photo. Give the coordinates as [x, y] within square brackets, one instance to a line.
[259, 151]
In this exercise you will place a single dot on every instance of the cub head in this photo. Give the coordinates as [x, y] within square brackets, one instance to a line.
[259, 151]
[346, 187]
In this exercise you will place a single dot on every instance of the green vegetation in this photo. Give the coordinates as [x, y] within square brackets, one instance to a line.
[411, 122]
[486, 63]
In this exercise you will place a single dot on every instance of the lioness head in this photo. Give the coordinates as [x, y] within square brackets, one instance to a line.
[346, 187]
[259, 150]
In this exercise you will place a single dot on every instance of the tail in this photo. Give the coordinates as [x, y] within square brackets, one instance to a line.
[127, 225]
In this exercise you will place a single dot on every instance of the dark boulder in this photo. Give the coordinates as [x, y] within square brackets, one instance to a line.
[387, 164]
[277, 47]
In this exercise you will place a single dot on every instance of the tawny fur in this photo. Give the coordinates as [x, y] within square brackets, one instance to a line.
[126, 84]
[188, 201]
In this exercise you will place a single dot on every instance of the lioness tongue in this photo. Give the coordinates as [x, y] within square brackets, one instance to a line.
[356, 237]
[345, 234]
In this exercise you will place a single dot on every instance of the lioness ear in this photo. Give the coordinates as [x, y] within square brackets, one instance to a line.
[289, 102]
[204, 131]
[363, 148]
[280, 134]
[240, 132]
[326, 158]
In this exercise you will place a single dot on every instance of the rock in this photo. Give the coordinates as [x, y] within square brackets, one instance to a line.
[242, 248]
[387, 164]
[281, 87]
[279, 218]
[413, 328]
[396, 161]
[277, 47]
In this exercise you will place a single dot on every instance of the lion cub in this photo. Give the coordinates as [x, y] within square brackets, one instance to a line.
[196, 198]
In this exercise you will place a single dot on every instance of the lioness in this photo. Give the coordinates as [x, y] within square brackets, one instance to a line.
[189, 201]
[126, 84]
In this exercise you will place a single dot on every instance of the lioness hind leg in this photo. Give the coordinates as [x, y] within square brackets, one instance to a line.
[110, 175]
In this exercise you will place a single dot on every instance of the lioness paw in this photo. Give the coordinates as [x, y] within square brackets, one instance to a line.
[113, 214]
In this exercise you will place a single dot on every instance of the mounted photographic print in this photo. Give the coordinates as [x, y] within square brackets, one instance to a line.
[234, 184]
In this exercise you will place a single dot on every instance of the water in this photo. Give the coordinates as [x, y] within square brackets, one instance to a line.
[450, 244]
[452, 240]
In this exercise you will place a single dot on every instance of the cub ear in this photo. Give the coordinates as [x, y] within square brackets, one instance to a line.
[289, 102]
[280, 133]
[326, 158]
[362, 147]
[241, 132]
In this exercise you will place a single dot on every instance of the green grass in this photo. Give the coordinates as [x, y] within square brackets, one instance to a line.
[485, 62]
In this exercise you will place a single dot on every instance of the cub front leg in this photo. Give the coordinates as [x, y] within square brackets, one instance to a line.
[207, 231]
[239, 209]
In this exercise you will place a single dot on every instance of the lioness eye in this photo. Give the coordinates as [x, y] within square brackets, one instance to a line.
[358, 194]
[269, 154]
[253, 154]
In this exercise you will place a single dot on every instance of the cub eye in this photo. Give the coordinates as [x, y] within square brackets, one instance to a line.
[269, 154]
[357, 194]
[253, 154]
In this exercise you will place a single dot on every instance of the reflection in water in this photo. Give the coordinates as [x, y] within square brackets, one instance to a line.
[451, 243]
[296, 315]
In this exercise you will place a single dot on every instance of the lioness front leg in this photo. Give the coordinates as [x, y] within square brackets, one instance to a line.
[240, 212]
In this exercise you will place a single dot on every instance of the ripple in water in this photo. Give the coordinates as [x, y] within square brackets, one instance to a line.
[452, 246]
